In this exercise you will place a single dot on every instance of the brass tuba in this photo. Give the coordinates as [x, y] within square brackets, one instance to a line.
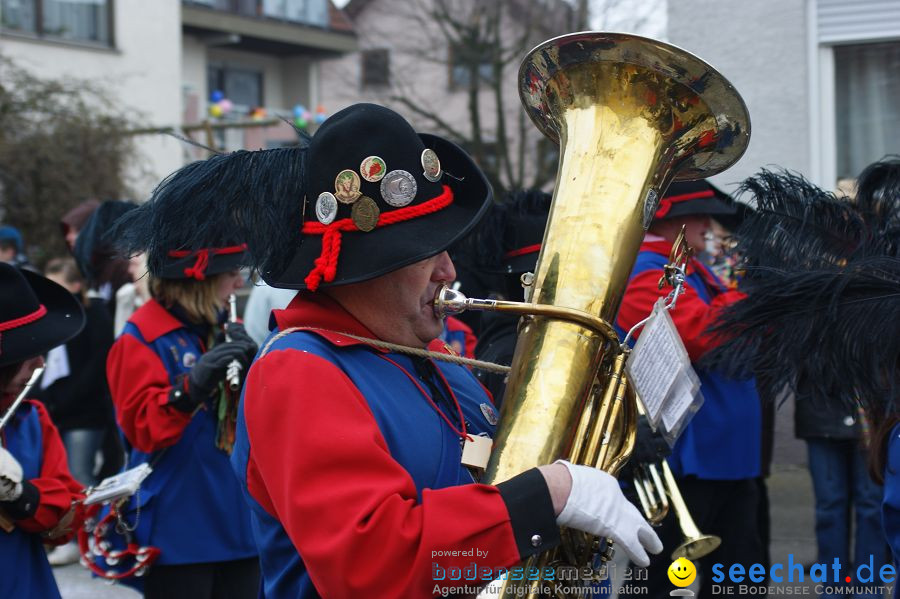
[630, 115]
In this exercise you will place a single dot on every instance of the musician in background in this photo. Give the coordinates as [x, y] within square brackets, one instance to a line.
[73, 388]
[510, 237]
[350, 451]
[37, 492]
[167, 374]
[717, 458]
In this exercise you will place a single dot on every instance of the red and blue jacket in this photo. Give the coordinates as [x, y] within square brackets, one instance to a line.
[459, 336]
[722, 441]
[351, 465]
[47, 496]
[191, 506]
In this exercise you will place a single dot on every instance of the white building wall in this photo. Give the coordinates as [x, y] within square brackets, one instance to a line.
[141, 74]
[761, 47]
[193, 79]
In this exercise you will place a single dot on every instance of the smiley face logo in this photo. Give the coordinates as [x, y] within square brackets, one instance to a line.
[682, 572]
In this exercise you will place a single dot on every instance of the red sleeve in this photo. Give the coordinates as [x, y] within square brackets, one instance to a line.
[692, 316]
[55, 484]
[140, 389]
[349, 508]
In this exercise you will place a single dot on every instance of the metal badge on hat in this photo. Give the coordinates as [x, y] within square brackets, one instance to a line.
[326, 208]
[398, 188]
[431, 165]
[346, 186]
[365, 214]
[373, 169]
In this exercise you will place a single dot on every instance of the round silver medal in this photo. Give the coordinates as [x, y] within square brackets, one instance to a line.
[326, 208]
[431, 165]
[398, 188]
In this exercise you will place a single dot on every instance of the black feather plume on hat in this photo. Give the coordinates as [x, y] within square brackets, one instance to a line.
[878, 202]
[520, 218]
[252, 197]
[93, 246]
[823, 297]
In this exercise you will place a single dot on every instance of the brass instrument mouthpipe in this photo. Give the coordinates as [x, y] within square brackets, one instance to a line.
[449, 302]
[233, 374]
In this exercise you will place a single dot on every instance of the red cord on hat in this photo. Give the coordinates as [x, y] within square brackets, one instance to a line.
[198, 270]
[23, 320]
[528, 249]
[666, 203]
[326, 264]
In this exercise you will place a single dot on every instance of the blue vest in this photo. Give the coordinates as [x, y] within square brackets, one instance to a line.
[723, 440]
[24, 569]
[191, 505]
[417, 437]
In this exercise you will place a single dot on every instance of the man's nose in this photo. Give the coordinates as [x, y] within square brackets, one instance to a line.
[445, 271]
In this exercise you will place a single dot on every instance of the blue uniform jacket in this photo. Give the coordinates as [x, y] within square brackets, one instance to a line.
[421, 442]
[191, 505]
[24, 569]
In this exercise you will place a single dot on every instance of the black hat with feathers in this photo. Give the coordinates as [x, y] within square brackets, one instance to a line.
[362, 198]
[190, 227]
[511, 234]
[823, 291]
[92, 246]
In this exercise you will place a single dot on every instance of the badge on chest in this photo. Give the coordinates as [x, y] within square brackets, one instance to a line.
[476, 451]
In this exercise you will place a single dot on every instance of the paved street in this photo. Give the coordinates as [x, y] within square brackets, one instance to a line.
[790, 492]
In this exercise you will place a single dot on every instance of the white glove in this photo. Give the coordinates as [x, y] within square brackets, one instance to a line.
[597, 506]
[10, 476]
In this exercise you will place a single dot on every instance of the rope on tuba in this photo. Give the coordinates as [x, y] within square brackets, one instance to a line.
[631, 115]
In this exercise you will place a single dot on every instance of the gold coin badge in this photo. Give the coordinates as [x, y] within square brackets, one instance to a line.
[346, 186]
[365, 214]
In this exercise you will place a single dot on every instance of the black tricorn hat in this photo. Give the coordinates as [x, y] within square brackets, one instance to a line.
[379, 196]
[37, 315]
[686, 198]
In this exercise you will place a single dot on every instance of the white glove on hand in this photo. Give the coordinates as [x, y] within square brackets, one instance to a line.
[10, 476]
[597, 506]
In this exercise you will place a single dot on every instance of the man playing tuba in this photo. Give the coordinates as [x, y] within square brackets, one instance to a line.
[354, 446]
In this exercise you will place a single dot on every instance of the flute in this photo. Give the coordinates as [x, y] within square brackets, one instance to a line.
[233, 374]
[21, 397]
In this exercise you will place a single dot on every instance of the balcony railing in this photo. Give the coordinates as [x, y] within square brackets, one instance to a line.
[306, 12]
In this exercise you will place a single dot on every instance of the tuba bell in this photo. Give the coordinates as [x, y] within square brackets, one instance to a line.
[630, 115]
